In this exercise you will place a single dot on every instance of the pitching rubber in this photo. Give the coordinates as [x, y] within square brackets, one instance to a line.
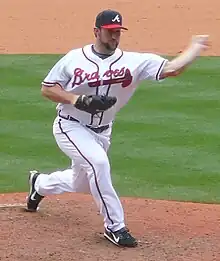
[12, 205]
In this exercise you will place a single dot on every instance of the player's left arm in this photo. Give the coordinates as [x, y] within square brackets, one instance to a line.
[177, 65]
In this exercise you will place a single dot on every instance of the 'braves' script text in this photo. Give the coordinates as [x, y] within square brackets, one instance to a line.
[116, 76]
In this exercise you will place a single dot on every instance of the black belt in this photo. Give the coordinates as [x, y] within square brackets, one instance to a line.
[95, 129]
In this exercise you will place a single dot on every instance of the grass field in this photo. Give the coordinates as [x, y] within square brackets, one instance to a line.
[166, 141]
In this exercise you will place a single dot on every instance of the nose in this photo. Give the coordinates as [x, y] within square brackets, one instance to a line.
[115, 36]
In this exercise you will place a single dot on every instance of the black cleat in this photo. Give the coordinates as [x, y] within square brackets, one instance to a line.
[33, 198]
[121, 238]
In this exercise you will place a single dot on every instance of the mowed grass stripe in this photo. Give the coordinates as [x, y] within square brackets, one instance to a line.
[165, 142]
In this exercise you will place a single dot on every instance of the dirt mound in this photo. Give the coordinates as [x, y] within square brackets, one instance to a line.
[68, 227]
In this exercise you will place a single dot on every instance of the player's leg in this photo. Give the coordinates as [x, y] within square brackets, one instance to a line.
[63, 181]
[98, 171]
[81, 146]
[120, 237]
[54, 183]
[73, 179]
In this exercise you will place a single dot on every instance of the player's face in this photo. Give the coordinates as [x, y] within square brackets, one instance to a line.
[110, 38]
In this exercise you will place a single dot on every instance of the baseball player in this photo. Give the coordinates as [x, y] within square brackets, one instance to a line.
[91, 84]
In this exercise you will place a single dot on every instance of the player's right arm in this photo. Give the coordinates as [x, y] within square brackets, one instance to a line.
[54, 85]
[57, 94]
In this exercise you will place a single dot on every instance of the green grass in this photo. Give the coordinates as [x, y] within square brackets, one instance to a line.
[166, 141]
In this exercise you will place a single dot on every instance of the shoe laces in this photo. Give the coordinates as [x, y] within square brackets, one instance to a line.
[125, 233]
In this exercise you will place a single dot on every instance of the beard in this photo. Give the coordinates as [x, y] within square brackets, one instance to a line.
[111, 47]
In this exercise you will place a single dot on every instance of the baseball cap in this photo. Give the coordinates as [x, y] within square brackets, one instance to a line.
[109, 19]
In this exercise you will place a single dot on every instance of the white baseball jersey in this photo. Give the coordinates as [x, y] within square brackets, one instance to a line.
[81, 71]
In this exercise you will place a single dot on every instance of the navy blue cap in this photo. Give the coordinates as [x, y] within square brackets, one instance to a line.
[109, 19]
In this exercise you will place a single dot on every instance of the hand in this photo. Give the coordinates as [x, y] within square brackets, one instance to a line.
[202, 40]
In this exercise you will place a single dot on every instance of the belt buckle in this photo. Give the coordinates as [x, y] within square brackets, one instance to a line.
[97, 129]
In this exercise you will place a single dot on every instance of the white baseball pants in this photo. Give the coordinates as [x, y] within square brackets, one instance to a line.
[90, 170]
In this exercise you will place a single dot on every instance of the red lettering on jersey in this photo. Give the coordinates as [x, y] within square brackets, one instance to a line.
[122, 76]
[122, 71]
[77, 79]
[127, 79]
[108, 74]
[80, 77]
[116, 73]
[87, 77]
[95, 76]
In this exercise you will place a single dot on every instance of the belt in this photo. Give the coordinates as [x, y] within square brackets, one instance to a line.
[95, 129]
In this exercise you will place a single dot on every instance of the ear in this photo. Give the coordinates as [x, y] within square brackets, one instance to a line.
[96, 31]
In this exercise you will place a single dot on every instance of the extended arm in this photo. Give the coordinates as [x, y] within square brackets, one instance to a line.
[178, 64]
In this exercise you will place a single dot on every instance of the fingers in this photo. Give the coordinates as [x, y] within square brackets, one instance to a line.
[202, 40]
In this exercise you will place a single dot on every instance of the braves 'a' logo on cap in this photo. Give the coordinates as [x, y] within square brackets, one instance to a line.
[117, 18]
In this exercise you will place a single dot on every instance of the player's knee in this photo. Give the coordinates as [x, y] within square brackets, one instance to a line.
[101, 162]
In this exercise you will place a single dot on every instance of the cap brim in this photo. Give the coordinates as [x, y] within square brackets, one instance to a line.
[114, 26]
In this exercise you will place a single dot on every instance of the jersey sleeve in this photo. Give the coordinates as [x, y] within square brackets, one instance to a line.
[58, 74]
[151, 67]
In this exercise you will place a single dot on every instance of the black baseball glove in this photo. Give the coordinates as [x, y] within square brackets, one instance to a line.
[95, 103]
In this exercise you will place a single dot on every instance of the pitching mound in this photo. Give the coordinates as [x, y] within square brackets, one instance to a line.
[68, 227]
